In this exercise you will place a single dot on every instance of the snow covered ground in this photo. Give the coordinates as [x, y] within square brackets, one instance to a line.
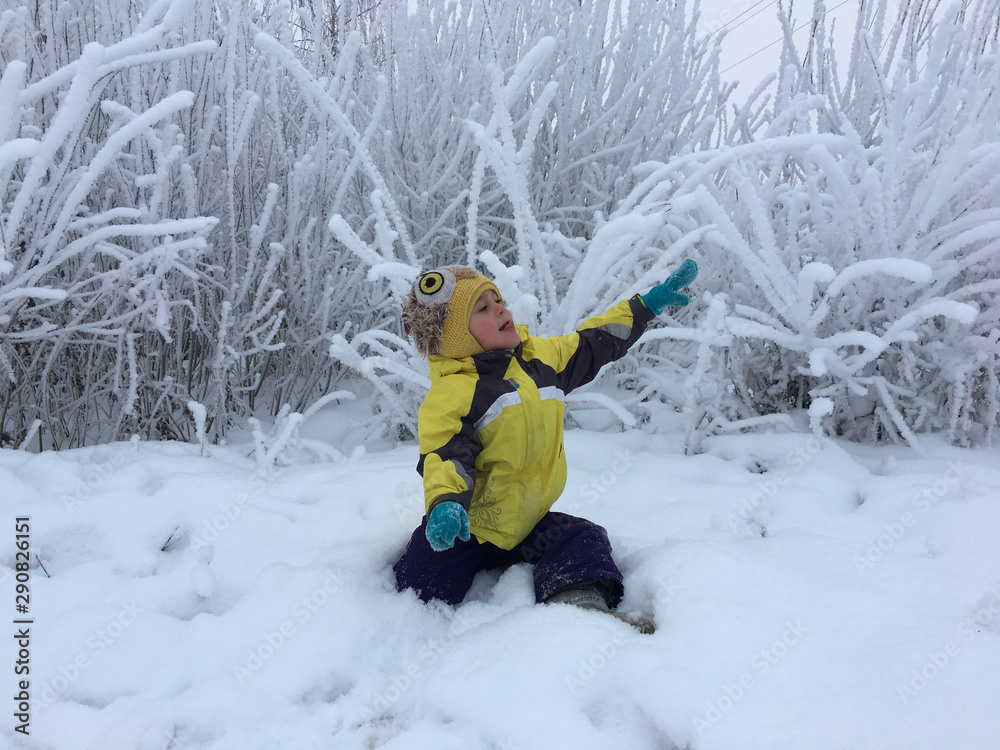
[809, 594]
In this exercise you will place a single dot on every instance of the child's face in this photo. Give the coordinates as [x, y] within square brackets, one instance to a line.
[491, 323]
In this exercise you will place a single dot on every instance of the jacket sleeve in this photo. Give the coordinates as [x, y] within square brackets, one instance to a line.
[578, 357]
[448, 447]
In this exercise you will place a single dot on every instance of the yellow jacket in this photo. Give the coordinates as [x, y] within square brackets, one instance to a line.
[491, 425]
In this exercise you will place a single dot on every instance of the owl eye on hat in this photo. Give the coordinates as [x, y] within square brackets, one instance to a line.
[435, 287]
[437, 310]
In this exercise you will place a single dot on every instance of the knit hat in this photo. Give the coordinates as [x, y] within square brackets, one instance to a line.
[437, 311]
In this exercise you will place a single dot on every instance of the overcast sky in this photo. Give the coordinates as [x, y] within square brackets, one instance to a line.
[752, 42]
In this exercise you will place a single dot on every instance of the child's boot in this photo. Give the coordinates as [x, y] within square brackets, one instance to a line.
[590, 596]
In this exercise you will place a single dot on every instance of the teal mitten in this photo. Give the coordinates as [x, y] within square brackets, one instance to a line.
[447, 521]
[666, 295]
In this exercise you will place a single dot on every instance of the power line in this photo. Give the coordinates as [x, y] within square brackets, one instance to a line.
[768, 46]
[723, 27]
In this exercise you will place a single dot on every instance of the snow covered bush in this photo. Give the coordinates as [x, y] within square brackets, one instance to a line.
[847, 231]
[162, 193]
[101, 235]
[215, 209]
[861, 228]
[848, 238]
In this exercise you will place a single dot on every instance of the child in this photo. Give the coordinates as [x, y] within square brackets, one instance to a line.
[491, 440]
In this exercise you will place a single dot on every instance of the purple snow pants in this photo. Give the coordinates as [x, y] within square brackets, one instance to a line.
[564, 549]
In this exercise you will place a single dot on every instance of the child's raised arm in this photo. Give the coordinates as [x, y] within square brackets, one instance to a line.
[601, 339]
